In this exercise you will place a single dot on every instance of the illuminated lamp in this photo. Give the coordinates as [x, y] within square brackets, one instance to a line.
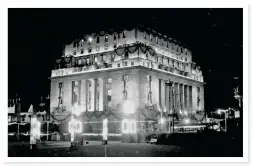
[90, 39]
[162, 120]
[128, 107]
[187, 121]
[76, 110]
[185, 112]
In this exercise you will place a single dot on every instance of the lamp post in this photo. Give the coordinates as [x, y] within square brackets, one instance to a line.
[226, 116]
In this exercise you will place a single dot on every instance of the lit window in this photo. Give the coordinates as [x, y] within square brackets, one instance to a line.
[97, 39]
[106, 47]
[96, 59]
[89, 50]
[81, 51]
[109, 92]
[79, 61]
[97, 48]
[82, 41]
[74, 53]
[109, 80]
[106, 38]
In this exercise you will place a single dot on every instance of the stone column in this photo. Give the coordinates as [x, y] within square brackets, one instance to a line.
[176, 95]
[166, 98]
[95, 93]
[83, 95]
[104, 94]
[190, 98]
[183, 97]
[186, 96]
[160, 93]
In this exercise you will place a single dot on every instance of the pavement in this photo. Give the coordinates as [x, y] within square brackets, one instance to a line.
[95, 149]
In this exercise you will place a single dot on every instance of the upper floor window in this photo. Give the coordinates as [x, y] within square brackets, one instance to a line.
[126, 54]
[98, 48]
[167, 44]
[109, 80]
[89, 50]
[144, 35]
[74, 53]
[79, 61]
[96, 59]
[81, 51]
[106, 38]
[114, 45]
[150, 37]
[156, 40]
[106, 47]
[182, 50]
[124, 34]
[185, 59]
[97, 39]
[82, 41]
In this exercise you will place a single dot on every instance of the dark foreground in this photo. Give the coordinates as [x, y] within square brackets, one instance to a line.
[127, 150]
[205, 144]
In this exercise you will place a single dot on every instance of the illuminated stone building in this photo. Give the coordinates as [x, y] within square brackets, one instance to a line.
[122, 74]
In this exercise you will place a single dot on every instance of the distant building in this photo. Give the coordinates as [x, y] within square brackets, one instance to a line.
[122, 74]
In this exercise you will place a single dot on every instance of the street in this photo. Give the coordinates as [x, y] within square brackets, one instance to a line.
[116, 149]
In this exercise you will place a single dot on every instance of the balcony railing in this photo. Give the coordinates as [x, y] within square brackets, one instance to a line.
[126, 63]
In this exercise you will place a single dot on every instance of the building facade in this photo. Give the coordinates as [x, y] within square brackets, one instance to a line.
[124, 74]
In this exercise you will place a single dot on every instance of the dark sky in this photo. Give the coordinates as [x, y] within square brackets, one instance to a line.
[36, 37]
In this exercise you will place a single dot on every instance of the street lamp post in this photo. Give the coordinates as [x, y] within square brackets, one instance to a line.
[226, 116]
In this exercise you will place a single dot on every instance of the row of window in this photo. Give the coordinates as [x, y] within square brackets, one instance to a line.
[106, 46]
[181, 49]
[106, 37]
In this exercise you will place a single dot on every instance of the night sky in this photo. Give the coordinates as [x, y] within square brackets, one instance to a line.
[36, 38]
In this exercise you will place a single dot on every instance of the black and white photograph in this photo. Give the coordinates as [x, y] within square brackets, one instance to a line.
[125, 82]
